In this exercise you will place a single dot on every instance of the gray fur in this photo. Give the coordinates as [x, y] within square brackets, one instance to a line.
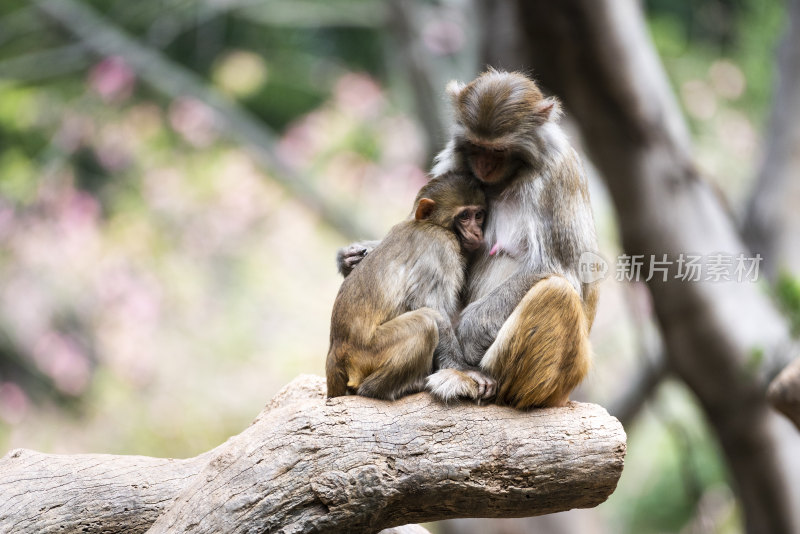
[540, 218]
[542, 223]
[391, 324]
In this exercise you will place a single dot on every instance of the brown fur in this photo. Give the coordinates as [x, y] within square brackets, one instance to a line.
[392, 313]
[528, 315]
[542, 352]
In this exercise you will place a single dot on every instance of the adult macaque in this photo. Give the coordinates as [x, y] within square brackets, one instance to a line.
[527, 319]
[391, 322]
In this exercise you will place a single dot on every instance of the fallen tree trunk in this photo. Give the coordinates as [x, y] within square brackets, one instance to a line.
[310, 464]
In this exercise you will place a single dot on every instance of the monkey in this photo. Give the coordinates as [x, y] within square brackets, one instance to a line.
[391, 320]
[527, 313]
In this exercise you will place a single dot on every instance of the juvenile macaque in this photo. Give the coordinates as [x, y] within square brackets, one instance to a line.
[391, 321]
[527, 319]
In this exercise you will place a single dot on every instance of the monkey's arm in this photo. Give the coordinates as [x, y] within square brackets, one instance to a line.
[456, 378]
[349, 256]
[481, 320]
[448, 352]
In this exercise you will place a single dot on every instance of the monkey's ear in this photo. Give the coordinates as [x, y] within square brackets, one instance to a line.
[424, 209]
[453, 90]
[549, 109]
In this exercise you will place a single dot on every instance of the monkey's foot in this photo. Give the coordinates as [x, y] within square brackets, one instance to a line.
[450, 384]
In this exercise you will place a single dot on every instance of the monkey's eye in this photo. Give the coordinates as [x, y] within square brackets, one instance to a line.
[479, 216]
[463, 216]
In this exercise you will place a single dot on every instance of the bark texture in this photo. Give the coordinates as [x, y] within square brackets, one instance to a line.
[725, 340]
[88, 492]
[310, 464]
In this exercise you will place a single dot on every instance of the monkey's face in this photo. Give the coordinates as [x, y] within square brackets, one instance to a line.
[497, 118]
[489, 165]
[468, 224]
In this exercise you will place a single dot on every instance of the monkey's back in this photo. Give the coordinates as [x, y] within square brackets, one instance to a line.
[417, 264]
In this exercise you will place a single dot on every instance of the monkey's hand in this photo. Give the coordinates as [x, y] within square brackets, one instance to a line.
[450, 384]
[487, 386]
[350, 256]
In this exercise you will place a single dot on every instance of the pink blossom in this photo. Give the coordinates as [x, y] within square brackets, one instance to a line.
[13, 403]
[62, 359]
[360, 95]
[112, 79]
[443, 37]
[194, 120]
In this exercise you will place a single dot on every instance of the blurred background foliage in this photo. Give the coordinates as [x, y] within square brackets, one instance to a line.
[163, 273]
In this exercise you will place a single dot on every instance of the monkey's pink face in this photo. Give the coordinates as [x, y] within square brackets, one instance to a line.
[487, 164]
[469, 226]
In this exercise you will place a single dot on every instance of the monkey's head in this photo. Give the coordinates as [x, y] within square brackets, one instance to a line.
[498, 119]
[454, 201]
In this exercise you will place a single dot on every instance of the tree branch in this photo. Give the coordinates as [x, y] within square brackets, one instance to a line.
[350, 464]
[784, 393]
[772, 220]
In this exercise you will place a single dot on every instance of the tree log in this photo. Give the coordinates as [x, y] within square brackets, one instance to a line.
[350, 464]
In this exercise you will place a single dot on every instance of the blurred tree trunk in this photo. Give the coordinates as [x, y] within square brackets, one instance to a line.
[418, 71]
[772, 221]
[724, 340]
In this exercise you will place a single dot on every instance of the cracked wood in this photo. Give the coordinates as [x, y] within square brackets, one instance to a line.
[350, 464]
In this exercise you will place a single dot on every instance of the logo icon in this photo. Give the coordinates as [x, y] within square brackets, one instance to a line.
[592, 268]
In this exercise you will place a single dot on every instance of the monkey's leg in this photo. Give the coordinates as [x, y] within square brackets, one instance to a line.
[481, 320]
[542, 351]
[478, 327]
[404, 354]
